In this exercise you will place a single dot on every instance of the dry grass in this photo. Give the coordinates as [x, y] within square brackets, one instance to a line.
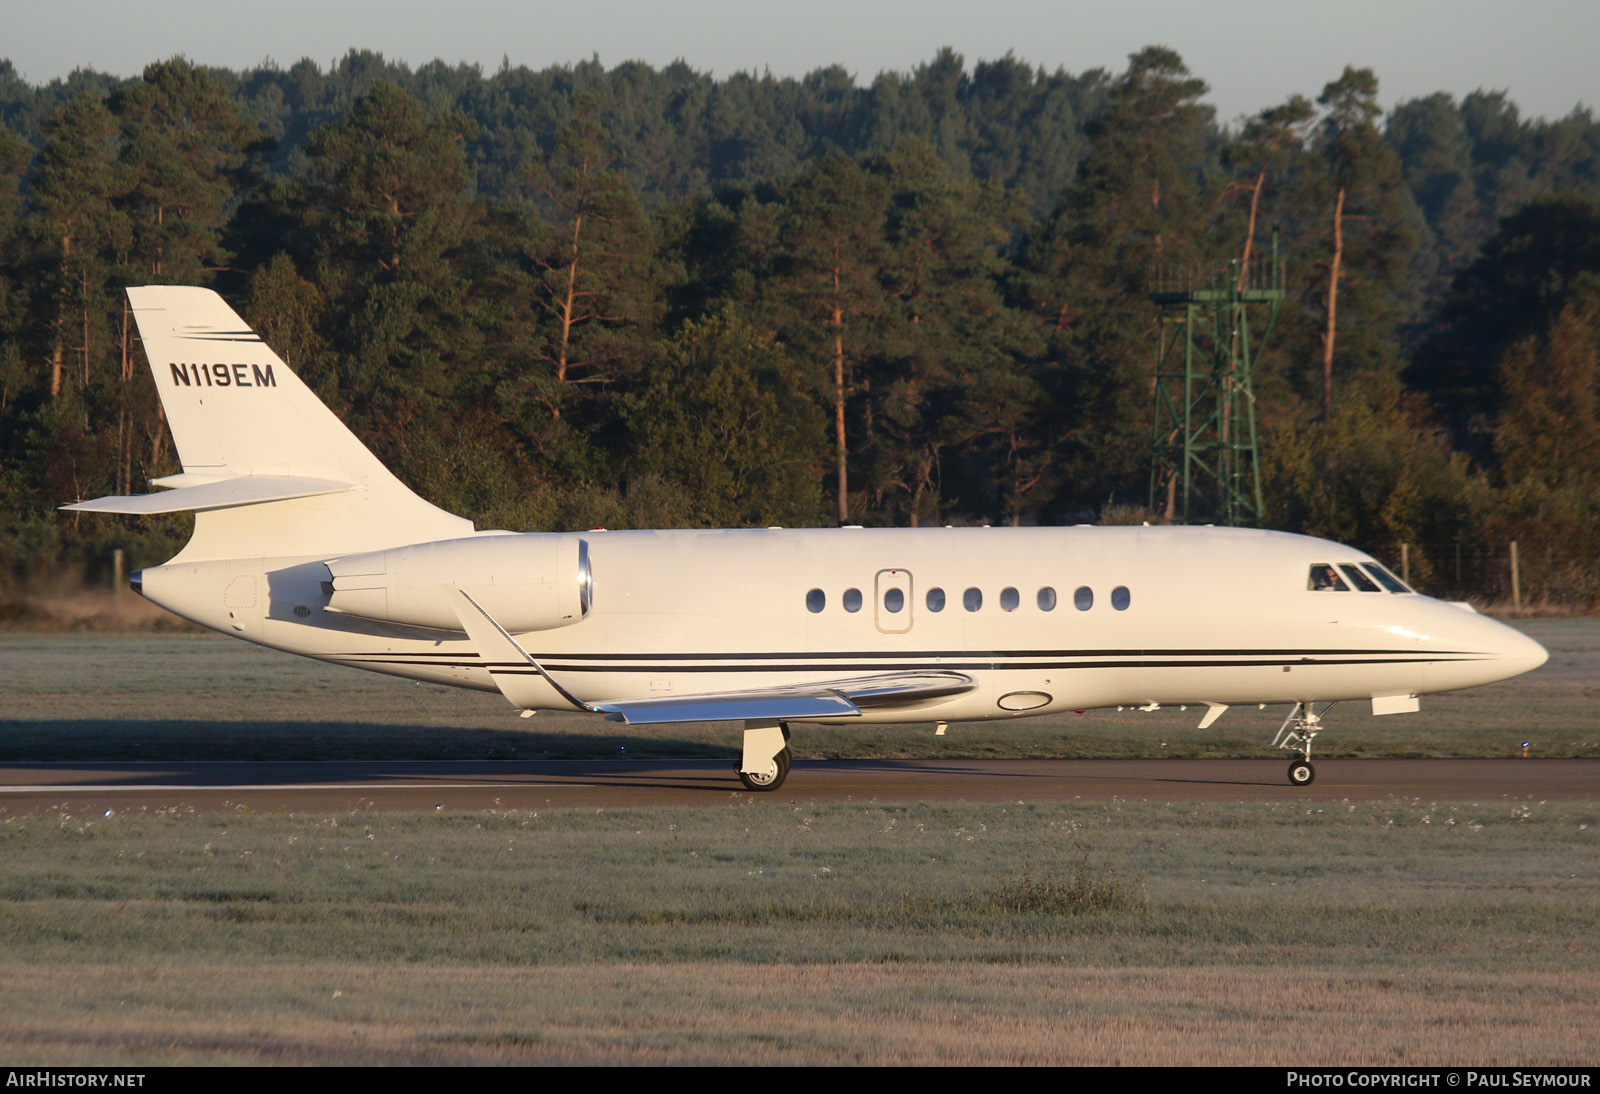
[1087, 887]
[795, 1014]
[1405, 932]
[89, 609]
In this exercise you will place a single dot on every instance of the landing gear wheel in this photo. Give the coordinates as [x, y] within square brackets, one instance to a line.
[772, 777]
[1296, 734]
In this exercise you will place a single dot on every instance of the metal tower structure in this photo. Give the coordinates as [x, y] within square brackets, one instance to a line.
[1213, 320]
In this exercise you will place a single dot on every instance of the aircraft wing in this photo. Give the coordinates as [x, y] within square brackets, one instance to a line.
[842, 698]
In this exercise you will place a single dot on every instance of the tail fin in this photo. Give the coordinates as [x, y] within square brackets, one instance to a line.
[267, 467]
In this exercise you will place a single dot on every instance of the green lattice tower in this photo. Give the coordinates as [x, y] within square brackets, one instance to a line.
[1213, 320]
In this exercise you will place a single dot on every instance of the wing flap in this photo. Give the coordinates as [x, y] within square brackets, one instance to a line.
[826, 699]
[729, 708]
[223, 494]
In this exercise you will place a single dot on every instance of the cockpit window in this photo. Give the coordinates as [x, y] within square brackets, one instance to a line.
[1360, 580]
[1325, 578]
[1385, 578]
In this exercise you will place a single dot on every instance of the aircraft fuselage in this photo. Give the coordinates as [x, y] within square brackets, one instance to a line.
[1042, 619]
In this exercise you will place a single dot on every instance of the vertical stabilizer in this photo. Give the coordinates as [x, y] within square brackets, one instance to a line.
[248, 431]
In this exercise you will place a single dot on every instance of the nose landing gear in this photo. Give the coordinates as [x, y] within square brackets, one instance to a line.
[1296, 733]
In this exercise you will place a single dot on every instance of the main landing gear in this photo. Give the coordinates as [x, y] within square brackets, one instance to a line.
[1302, 724]
[766, 760]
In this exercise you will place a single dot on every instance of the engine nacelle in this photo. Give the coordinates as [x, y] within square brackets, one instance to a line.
[532, 582]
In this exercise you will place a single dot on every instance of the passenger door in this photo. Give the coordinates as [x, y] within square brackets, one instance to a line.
[892, 601]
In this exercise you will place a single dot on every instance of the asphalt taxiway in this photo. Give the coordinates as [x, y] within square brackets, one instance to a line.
[289, 787]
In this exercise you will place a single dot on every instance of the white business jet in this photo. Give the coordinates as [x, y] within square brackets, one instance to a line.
[304, 542]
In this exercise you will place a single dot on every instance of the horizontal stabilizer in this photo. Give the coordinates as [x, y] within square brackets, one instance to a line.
[224, 494]
[825, 699]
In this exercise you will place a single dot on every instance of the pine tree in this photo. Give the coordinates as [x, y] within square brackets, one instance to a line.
[723, 423]
[828, 285]
[593, 289]
[75, 196]
[947, 328]
[15, 157]
[1141, 198]
[1366, 247]
[392, 227]
[185, 150]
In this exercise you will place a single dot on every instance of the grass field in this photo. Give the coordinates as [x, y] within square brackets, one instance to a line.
[1405, 932]
[1408, 932]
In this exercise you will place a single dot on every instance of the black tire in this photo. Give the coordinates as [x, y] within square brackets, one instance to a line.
[1301, 773]
[772, 778]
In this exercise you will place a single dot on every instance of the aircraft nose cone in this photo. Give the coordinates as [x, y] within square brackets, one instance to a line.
[1522, 654]
[1476, 649]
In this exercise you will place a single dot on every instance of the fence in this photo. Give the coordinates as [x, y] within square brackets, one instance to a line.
[1504, 574]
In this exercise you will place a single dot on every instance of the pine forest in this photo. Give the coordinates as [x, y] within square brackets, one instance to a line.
[633, 297]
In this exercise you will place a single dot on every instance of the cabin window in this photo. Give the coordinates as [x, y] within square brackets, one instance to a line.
[1385, 578]
[1360, 580]
[972, 599]
[935, 600]
[816, 600]
[1325, 578]
[894, 600]
[1120, 598]
[1009, 599]
[1083, 598]
[1047, 599]
[851, 600]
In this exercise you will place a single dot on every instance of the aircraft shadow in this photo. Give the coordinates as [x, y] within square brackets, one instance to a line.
[122, 740]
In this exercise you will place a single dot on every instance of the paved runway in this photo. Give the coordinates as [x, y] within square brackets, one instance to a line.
[476, 785]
